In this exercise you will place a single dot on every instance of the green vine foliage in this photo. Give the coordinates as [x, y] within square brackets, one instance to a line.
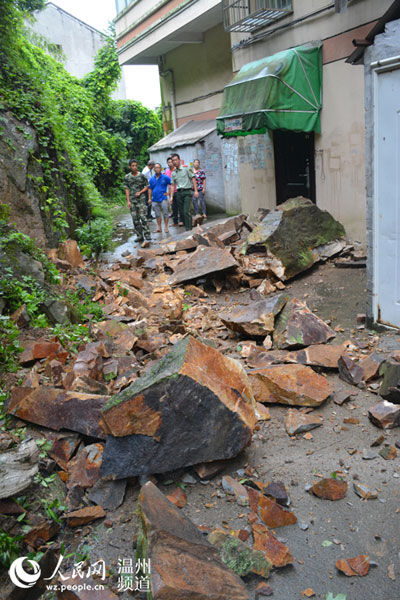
[84, 137]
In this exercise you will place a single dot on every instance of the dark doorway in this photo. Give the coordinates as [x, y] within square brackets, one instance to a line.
[294, 165]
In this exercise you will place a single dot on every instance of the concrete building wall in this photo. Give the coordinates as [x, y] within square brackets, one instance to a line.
[340, 149]
[386, 45]
[200, 73]
[209, 154]
[78, 41]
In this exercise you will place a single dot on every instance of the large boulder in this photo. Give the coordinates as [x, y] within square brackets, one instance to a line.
[184, 564]
[195, 405]
[296, 235]
[205, 260]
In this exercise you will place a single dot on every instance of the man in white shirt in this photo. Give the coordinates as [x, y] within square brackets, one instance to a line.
[148, 172]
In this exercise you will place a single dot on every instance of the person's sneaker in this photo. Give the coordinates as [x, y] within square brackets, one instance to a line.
[139, 239]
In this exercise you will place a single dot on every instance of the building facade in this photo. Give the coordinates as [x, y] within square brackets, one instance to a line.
[76, 41]
[200, 46]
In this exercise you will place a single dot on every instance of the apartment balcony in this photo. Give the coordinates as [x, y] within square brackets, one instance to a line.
[147, 29]
[250, 15]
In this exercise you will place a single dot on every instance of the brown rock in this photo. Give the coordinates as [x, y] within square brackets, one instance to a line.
[262, 412]
[354, 370]
[330, 489]
[84, 384]
[21, 317]
[178, 497]
[85, 467]
[184, 564]
[257, 318]
[388, 452]
[317, 355]
[300, 422]
[10, 507]
[209, 470]
[385, 415]
[54, 371]
[69, 252]
[203, 261]
[128, 276]
[84, 515]
[351, 567]
[7, 440]
[234, 488]
[38, 349]
[63, 447]
[59, 409]
[41, 533]
[295, 385]
[195, 405]
[364, 491]
[274, 515]
[275, 551]
[297, 326]
[277, 491]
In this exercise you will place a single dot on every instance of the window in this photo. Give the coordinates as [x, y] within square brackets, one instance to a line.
[121, 5]
[249, 15]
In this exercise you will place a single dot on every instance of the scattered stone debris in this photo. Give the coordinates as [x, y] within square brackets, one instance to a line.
[239, 557]
[183, 562]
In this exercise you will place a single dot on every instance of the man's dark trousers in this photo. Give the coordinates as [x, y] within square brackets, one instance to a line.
[184, 197]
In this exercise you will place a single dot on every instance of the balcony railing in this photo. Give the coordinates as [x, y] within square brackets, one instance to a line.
[249, 15]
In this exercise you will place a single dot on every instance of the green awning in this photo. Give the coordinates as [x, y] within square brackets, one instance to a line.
[282, 91]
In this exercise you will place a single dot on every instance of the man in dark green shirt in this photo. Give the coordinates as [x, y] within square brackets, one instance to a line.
[136, 186]
[183, 177]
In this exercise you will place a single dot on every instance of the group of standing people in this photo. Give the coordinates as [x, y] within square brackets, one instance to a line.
[179, 186]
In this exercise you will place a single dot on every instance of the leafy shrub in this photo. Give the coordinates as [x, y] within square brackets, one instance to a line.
[9, 548]
[9, 344]
[95, 237]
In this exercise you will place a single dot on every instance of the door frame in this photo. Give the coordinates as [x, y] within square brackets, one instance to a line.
[378, 67]
[278, 179]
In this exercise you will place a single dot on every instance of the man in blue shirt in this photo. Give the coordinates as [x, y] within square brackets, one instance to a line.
[159, 192]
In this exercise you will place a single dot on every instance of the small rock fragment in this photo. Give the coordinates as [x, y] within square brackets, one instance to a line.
[330, 489]
[299, 422]
[359, 565]
[388, 452]
[178, 497]
[385, 415]
[84, 515]
[364, 491]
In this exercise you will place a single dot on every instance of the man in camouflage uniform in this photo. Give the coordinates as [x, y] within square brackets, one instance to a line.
[136, 186]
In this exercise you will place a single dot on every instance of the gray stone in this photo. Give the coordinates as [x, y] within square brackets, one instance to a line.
[390, 387]
[55, 310]
[108, 494]
[296, 235]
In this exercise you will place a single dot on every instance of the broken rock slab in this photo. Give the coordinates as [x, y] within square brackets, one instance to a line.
[108, 494]
[69, 252]
[300, 422]
[194, 405]
[385, 415]
[184, 564]
[297, 234]
[294, 385]
[325, 356]
[257, 318]
[330, 489]
[203, 261]
[58, 409]
[297, 326]
[84, 515]
[274, 550]
[354, 370]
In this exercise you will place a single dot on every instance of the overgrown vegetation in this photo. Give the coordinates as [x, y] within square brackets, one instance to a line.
[84, 137]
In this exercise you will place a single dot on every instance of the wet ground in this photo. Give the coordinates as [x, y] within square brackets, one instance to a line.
[330, 530]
